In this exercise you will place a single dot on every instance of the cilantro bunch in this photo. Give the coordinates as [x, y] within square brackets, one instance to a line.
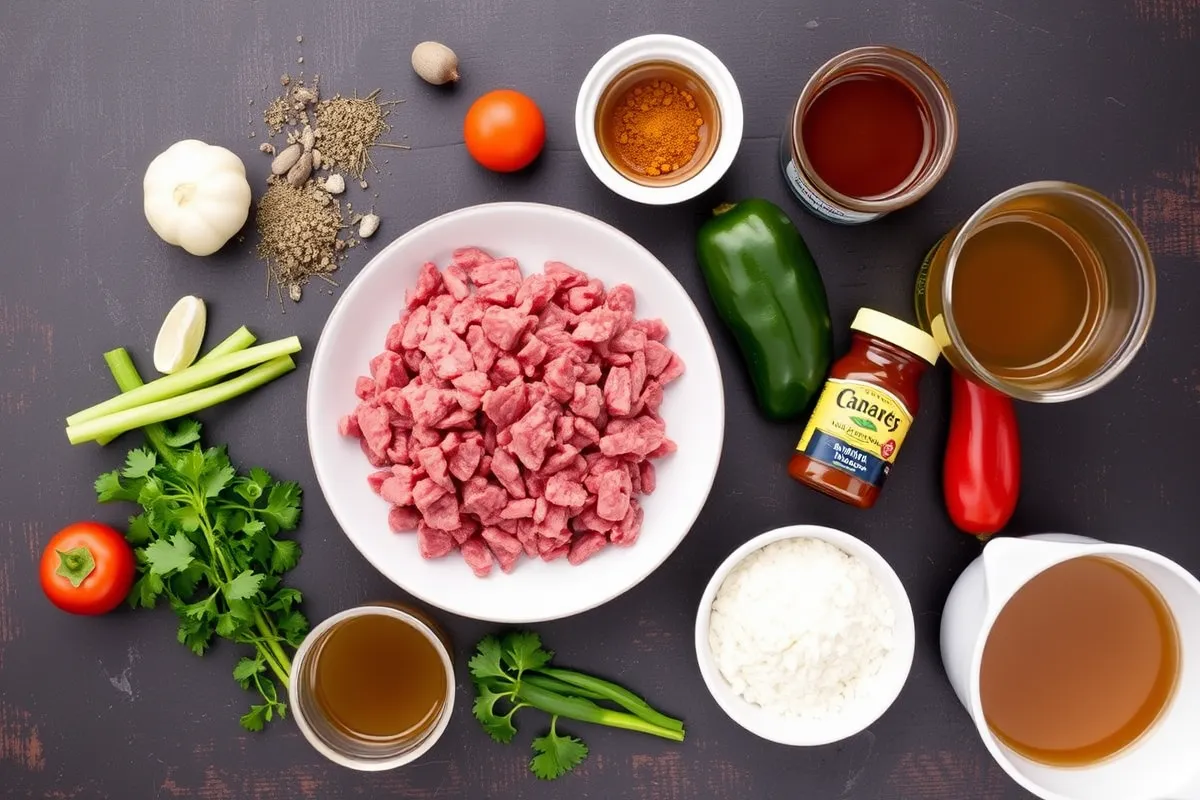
[514, 672]
[207, 542]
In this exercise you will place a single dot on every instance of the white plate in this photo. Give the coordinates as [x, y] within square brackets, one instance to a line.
[693, 408]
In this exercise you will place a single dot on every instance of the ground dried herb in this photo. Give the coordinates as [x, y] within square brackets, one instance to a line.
[350, 126]
[299, 234]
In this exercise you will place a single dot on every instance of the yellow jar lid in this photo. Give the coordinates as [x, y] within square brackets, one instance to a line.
[898, 332]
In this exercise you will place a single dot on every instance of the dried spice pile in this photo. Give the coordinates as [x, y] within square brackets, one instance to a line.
[304, 231]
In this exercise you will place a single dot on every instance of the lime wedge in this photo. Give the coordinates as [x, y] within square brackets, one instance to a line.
[179, 338]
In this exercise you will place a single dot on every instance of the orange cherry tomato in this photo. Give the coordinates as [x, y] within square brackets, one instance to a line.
[87, 568]
[504, 130]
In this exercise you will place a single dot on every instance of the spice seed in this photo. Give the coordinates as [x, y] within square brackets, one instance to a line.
[267, 147]
[368, 225]
[299, 173]
[284, 162]
[316, 154]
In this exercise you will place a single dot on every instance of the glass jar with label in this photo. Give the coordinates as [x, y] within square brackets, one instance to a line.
[865, 409]
[872, 131]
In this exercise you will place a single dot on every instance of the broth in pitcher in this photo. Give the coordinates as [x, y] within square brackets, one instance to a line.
[1080, 663]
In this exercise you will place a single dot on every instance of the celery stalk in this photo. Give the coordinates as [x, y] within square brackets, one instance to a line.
[186, 380]
[128, 379]
[180, 405]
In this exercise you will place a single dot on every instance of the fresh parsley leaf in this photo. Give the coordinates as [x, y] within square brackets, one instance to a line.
[244, 586]
[202, 609]
[138, 532]
[293, 625]
[196, 634]
[139, 463]
[214, 482]
[284, 555]
[184, 582]
[242, 609]
[284, 599]
[165, 556]
[283, 506]
[145, 591]
[109, 488]
[190, 465]
[248, 490]
[258, 716]
[150, 493]
[260, 476]
[523, 650]
[228, 626]
[497, 726]
[556, 755]
[186, 432]
[252, 527]
[486, 661]
[246, 669]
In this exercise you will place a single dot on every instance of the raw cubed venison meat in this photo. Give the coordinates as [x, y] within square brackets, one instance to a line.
[514, 415]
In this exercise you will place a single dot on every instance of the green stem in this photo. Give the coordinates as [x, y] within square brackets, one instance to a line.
[555, 685]
[126, 375]
[182, 405]
[186, 380]
[577, 708]
[237, 341]
[611, 691]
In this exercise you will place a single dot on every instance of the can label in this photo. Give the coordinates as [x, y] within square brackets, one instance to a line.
[805, 192]
[857, 428]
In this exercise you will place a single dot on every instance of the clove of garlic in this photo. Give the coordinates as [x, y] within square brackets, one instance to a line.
[368, 225]
[335, 184]
[286, 159]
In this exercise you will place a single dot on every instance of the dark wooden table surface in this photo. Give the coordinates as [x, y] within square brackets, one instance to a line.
[1106, 94]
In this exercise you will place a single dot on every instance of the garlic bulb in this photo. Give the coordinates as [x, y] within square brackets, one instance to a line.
[435, 63]
[196, 196]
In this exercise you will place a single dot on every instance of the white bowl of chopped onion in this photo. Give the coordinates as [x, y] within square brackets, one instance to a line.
[805, 635]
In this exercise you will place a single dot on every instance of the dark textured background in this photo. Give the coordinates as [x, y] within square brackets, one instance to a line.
[1103, 93]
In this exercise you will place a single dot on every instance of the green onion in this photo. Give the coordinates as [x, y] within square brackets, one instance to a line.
[606, 690]
[128, 379]
[180, 405]
[586, 711]
[550, 685]
[186, 380]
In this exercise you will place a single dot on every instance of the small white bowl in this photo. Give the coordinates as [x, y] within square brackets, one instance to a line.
[856, 717]
[673, 49]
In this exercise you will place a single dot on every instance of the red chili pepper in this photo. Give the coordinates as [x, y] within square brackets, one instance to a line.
[982, 476]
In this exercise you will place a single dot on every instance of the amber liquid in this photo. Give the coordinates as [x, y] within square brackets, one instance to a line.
[608, 118]
[379, 678]
[1027, 295]
[865, 134]
[1080, 663]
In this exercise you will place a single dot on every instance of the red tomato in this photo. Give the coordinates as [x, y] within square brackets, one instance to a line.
[504, 130]
[87, 568]
[982, 476]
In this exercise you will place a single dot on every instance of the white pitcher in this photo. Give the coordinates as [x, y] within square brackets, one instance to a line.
[1165, 763]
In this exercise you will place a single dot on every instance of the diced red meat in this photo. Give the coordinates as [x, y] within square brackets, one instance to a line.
[552, 553]
[564, 275]
[586, 546]
[673, 369]
[440, 306]
[433, 460]
[465, 459]
[613, 492]
[621, 298]
[589, 520]
[433, 543]
[559, 377]
[375, 479]
[455, 278]
[395, 336]
[477, 555]
[428, 282]
[429, 404]
[627, 530]
[618, 392]
[641, 437]
[348, 426]
[519, 509]
[652, 397]
[507, 404]
[504, 326]
[505, 468]
[376, 429]
[536, 291]
[631, 340]
[450, 355]
[555, 316]
[588, 401]
[484, 273]
[469, 257]
[649, 478]
[465, 531]
[364, 387]
[531, 355]
[533, 433]
[398, 490]
[403, 519]
[501, 293]
[637, 374]
[442, 513]
[665, 449]
[388, 370]
[464, 315]
[654, 329]
[586, 297]
[597, 325]
[462, 419]
[589, 373]
[535, 483]
[373, 458]
[483, 498]
[482, 350]
[558, 460]
[505, 369]
[565, 492]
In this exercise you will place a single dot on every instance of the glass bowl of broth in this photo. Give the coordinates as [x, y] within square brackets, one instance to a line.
[372, 687]
[1045, 293]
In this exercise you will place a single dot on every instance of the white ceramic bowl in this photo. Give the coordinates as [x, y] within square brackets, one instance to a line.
[675, 49]
[854, 718]
[693, 408]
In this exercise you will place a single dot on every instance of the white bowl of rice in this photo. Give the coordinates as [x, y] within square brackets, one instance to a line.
[805, 635]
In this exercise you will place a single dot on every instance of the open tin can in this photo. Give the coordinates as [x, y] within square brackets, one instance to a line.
[873, 130]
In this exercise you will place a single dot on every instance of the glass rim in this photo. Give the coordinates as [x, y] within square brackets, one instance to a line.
[1134, 337]
[939, 160]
